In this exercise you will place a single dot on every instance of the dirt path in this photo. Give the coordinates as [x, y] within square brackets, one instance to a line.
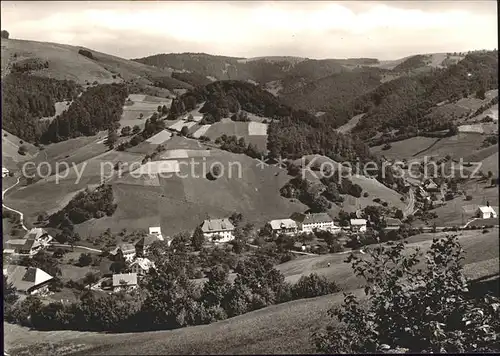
[21, 215]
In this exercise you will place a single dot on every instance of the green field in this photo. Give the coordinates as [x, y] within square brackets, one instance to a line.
[180, 204]
[283, 328]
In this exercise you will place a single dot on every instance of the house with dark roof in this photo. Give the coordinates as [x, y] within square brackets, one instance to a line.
[320, 221]
[392, 224]
[38, 234]
[126, 250]
[218, 230]
[431, 186]
[28, 280]
[144, 243]
[23, 247]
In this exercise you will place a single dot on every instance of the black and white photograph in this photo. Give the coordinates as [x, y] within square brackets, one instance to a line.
[250, 177]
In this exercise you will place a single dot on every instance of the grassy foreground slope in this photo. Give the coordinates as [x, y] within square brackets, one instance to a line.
[284, 328]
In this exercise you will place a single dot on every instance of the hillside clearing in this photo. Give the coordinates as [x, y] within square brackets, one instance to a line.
[350, 124]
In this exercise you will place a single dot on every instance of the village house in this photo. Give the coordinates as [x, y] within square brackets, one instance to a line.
[320, 221]
[22, 247]
[126, 250]
[156, 230]
[28, 280]
[392, 224]
[39, 235]
[5, 172]
[486, 212]
[358, 225]
[284, 226]
[218, 230]
[431, 186]
[124, 281]
[141, 266]
[144, 243]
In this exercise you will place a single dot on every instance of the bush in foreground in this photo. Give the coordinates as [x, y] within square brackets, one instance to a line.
[425, 310]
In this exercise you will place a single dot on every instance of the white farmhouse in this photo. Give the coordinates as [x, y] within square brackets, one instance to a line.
[156, 230]
[284, 226]
[5, 172]
[486, 212]
[28, 280]
[320, 221]
[358, 225]
[218, 230]
[124, 281]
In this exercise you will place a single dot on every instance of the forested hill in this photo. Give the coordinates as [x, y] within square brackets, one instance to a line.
[26, 98]
[403, 104]
[334, 90]
[96, 109]
[261, 70]
[295, 132]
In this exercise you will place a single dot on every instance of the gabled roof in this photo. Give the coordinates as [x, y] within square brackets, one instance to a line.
[35, 233]
[130, 279]
[217, 225]
[23, 244]
[316, 218]
[431, 184]
[283, 224]
[358, 221]
[26, 278]
[147, 240]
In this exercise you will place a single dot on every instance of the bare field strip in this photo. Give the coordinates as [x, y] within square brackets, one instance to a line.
[137, 97]
[201, 131]
[180, 124]
[155, 167]
[160, 137]
[181, 153]
[257, 129]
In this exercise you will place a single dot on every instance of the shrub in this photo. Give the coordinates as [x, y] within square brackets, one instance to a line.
[425, 310]
[22, 150]
[86, 53]
[468, 197]
[366, 194]
[84, 260]
[313, 286]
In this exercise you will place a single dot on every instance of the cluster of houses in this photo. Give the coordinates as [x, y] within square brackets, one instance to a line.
[32, 242]
[30, 280]
[133, 254]
[222, 230]
[5, 172]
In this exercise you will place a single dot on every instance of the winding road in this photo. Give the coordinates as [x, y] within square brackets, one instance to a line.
[21, 215]
[410, 208]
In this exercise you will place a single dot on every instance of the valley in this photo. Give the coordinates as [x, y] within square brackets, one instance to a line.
[188, 203]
